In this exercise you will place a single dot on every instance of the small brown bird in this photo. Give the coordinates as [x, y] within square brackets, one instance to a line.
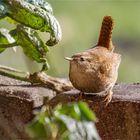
[96, 69]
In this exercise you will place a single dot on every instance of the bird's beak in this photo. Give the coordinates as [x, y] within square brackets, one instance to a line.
[69, 58]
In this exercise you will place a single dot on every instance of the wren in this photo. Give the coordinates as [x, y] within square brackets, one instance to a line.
[96, 70]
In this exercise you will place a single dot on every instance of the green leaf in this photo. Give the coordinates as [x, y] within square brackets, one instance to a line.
[36, 16]
[32, 15]
[3, 9]
[43, 4]
[65, 122]
[69, 110]
[86, 112]
[42, 115]
[79, 130]
[36, 130]
[31, 43]
[5, 39]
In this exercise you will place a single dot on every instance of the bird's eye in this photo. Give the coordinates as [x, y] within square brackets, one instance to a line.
[82, 59]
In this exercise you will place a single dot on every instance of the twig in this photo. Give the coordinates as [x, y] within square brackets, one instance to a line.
[56, 84]
[38, 78]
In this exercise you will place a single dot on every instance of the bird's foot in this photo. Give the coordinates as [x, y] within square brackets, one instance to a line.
[108, 97]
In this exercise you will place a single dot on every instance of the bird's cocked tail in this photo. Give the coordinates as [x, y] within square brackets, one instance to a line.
[105, 38]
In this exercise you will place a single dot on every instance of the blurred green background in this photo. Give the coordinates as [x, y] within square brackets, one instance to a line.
[80, 21]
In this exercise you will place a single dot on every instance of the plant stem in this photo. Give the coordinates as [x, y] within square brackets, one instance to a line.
[17, 77]
[8, 45]
[6, 68]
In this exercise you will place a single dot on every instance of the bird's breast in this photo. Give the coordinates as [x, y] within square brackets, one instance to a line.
[90, 80]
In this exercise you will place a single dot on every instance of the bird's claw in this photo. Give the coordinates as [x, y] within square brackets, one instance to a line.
[108, 98]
